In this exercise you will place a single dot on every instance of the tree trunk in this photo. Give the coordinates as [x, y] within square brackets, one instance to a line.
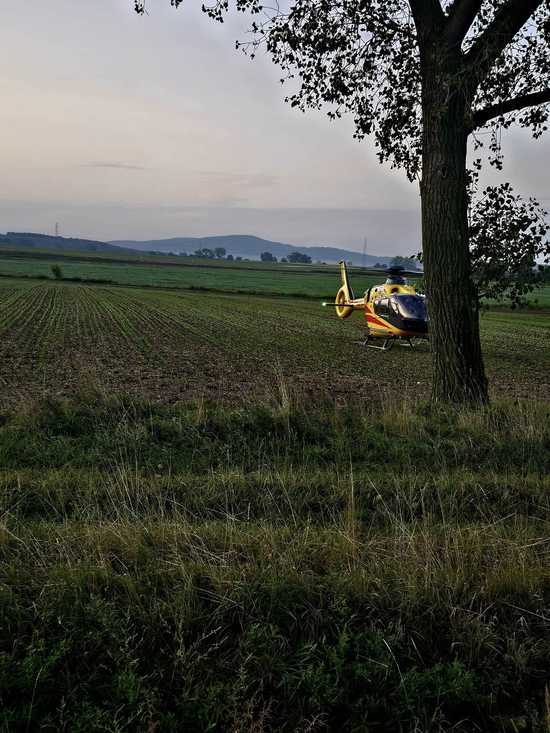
[458, 371]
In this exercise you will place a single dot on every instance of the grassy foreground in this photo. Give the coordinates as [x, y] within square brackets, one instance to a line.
[382, 567]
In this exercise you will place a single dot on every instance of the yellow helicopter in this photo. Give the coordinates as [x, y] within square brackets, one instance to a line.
[394, 311]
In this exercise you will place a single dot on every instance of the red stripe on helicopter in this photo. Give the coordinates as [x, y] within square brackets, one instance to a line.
[376, 321]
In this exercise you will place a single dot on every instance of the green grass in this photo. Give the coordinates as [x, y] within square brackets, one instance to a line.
[313, 281]
[145, 258]
[537, 298]
[540, 297]
[264, 569]
[254, 277]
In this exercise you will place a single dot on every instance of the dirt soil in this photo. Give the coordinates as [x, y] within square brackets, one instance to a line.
[59, 339]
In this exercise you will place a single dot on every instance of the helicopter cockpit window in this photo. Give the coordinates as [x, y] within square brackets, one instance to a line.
[410, 306]
[382, 307]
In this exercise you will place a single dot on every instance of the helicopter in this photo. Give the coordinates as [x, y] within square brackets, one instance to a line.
[394, 311]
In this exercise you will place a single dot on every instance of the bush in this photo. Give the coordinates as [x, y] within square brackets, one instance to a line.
[299, 257]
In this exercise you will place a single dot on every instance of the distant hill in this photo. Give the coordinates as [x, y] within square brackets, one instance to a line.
[45, 241]
[245, 245]
[238, 245]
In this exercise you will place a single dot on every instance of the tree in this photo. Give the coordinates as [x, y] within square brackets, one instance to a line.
[57, 272]
[229, 258]
[409, 263]
[205, 253]
[508, 236]
[422, 77]
[509, 246]
[267, 257]
[298, 257]
[220, 252]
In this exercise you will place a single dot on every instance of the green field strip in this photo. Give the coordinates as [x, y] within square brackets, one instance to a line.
[304, 281]
[300, 282]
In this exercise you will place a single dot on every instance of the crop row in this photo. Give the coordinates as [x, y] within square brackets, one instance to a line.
[175, 344]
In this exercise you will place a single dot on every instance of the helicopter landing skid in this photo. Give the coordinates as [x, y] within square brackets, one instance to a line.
[388, 343]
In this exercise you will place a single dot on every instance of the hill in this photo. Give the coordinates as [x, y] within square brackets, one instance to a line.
[45, 241]
[239, 245]
[245, 245]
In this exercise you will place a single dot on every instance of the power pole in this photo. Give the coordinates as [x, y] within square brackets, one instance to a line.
[56, 229]
[364, 252]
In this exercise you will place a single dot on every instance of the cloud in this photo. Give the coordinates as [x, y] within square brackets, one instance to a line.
[114, 164]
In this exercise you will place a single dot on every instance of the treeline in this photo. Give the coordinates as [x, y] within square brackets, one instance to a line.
[294, 257]
[220, 253]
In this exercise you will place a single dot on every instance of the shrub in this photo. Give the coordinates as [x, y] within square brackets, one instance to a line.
[57, 272]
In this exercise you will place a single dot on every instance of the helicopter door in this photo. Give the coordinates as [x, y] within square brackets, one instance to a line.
[387, 309]
[382, 307]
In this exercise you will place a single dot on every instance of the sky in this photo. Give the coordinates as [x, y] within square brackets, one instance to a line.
[120, 126]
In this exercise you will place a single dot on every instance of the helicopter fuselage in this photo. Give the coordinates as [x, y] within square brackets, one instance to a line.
[395, 310]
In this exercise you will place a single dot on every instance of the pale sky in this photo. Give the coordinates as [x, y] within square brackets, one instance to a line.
[119, 126]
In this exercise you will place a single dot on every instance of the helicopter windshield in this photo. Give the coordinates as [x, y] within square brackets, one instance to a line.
[410, 306]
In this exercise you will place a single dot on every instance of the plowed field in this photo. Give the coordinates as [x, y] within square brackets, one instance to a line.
[57, 338]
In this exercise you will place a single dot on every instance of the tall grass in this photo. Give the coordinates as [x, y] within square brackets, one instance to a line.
[281, 568]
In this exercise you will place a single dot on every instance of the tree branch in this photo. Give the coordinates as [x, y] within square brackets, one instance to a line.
[508, 20]
[461, 15]
[428, 16]
[481, 116]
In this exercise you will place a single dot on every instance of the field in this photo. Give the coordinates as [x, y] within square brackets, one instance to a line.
[185, 273]
[170, 346]
[309, 281]
[222, 513]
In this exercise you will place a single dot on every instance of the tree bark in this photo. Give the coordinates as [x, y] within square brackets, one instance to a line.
[458, 370]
